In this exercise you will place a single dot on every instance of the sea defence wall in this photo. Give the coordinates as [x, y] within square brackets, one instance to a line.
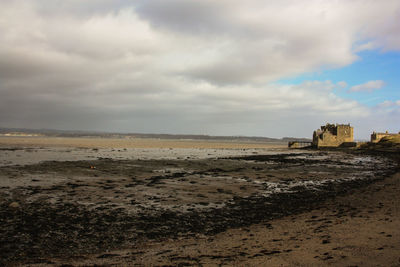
[299, 144]
[376, 137]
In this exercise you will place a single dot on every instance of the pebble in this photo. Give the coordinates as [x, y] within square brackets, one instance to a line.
[14, 205]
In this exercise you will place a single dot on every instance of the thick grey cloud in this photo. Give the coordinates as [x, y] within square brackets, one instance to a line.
[179, 66]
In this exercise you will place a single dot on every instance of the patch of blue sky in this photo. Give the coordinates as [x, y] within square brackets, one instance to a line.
[371, 65]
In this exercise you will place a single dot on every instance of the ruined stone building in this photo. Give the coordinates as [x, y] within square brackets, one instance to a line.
[376, 137]
[332, 135]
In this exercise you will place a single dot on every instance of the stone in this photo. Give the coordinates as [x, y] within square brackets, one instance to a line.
[14, 205]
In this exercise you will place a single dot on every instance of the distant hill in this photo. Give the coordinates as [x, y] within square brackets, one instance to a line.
[64, 133]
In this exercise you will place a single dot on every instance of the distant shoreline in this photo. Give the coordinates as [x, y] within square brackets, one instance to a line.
[99, 142]
[14, 132]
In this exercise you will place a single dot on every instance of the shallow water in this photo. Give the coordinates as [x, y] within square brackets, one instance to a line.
[23, 156]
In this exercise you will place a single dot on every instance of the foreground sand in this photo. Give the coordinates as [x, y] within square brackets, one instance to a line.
[202, 206]
[359, 229]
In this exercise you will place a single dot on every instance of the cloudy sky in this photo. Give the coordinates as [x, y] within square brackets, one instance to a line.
[226, 67]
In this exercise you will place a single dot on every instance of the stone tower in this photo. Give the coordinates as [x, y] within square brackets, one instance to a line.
[332, 135]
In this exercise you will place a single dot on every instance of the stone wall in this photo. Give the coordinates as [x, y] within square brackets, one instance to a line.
[376, 137]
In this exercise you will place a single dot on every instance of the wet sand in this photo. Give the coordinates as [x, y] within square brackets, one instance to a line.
[31, 150]
[130, 143]
[196, 206]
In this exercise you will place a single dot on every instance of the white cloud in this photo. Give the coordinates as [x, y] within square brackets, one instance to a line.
[386, 103]
[365, 46]
[383, 117]
[389, 103]
[342, 84]
[368, 86]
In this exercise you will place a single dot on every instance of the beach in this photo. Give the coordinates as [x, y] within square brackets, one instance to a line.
[153, 202]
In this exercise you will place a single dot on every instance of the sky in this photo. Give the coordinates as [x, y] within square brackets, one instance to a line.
[253, 68]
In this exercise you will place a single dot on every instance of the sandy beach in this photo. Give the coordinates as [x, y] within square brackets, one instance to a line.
[359, 229]
[80, 142]
[88, 201]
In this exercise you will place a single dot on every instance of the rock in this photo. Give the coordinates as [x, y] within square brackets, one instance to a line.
[14, 205]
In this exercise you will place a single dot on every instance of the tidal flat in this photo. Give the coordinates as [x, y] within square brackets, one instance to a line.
[156, 202]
